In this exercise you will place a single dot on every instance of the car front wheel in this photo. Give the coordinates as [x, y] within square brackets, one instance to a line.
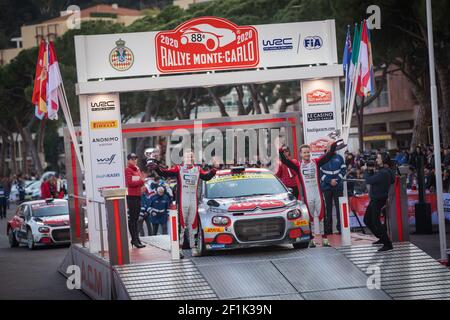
[12, 239]
[30, 240]
[201, 241]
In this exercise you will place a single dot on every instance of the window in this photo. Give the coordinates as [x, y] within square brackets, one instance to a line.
[39, 34]
[52, 32]
[383, 98]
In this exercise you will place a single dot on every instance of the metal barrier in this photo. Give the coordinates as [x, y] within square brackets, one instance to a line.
[83, 219]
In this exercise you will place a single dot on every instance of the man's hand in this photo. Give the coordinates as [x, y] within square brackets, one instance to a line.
[152, 166]
[333, 182]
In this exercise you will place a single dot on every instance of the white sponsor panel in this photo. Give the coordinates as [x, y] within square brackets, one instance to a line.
[207, 43]
[319, 113]
[105, 143]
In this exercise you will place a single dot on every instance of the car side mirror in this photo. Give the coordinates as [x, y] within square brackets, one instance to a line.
[290, 190]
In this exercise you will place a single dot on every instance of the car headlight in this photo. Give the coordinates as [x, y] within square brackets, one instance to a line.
[221, 221]
[44, 229]
[294, 214]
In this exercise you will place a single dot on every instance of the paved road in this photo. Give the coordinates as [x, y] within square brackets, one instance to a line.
[27, 274]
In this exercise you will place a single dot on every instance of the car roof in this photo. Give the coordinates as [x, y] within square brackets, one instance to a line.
[43, 201]
[247, 170]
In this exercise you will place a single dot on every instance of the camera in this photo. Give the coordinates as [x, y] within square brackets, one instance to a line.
[369, 160]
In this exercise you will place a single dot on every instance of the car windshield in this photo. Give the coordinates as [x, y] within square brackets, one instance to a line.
[50, 209]
[243, 185]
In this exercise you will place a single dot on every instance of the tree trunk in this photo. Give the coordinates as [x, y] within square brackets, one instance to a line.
[264, 103]
[25, 132]
[254, 92]
[219, 102]
[141, 142]
[240, 101]
[444, 108]
[3, 150]
[13, 154]
[423, 119]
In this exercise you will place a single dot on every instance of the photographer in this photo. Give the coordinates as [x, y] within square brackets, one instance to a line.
[380, 181]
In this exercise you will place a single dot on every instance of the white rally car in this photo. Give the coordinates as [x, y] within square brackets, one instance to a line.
[40, 222]
[250, 207]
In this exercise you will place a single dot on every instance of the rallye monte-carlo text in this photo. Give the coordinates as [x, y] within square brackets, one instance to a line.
[40, 222]
[250, 207]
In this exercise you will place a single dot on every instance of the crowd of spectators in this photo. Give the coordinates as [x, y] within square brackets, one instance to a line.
[405, 157]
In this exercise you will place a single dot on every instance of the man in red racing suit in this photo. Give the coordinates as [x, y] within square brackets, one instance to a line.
[188, 176]
[308, 172]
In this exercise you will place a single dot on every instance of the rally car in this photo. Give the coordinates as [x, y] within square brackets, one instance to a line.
[246, 207]
[40, 222]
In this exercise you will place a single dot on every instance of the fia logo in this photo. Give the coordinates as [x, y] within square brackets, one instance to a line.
[313, 42]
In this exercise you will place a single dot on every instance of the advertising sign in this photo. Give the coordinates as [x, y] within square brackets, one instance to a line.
[319, 114]
[105, 143]
[206, 43]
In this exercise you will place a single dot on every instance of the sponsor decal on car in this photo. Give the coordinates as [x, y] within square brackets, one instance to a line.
[232, 177]
[301, 223]
[214, 229]
[106, 124]
[252, 205]
[206, 43]
[216, 246]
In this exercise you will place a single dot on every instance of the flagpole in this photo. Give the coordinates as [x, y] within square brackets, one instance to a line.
[436, 138]
[69, 122]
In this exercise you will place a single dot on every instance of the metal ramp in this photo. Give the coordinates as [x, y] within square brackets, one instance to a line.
[407, 273]
[282, 273]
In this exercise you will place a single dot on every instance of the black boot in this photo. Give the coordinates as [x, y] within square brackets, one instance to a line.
[378, 242]
[386, 247]
[137, 244]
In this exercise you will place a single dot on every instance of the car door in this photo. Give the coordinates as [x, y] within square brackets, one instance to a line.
[21, 223]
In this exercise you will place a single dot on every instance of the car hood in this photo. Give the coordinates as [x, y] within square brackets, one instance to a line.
[54, 221]
[248, 204]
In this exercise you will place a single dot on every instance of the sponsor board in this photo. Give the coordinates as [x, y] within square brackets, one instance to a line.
[103, 105]
[319, 108]
[105, 141]
[206, 43]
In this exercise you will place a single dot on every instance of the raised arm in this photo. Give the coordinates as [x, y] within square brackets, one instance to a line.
[207, 174]
[289, 163]
[327, 156]
[167, 173]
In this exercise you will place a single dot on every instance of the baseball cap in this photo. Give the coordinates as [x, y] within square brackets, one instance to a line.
[132, 156]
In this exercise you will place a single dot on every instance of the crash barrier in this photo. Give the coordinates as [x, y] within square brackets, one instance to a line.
[118, 249]
[174, 236]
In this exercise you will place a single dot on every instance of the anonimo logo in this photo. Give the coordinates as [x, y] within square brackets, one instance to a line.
[105, 140]
[206, 43]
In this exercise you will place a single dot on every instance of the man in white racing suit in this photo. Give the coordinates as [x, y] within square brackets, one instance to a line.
[309, 175]
[188, 176]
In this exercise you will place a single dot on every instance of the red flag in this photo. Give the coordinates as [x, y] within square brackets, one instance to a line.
[39, 98]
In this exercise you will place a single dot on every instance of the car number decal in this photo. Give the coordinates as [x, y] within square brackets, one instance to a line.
[301, 223]
[214, 230]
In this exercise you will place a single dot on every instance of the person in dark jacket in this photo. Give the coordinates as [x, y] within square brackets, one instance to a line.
[331, 185]
[159, 210]
[380, 183]
[2, 202]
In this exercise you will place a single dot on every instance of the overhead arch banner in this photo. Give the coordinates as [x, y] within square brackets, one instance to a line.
[205, 44]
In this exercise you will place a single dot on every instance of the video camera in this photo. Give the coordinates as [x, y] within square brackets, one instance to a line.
[151, 155]
[369, 159]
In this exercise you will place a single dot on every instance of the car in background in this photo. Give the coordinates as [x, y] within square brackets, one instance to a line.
[40, 223]
[247, 207]
[33, 190]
